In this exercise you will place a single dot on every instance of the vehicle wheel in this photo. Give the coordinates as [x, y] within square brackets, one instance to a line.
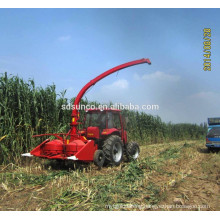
[99, 158]
[132, 151]
[113, 150]
[211, 150]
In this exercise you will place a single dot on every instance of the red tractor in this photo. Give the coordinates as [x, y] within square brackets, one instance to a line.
[103, 138]
[107, 128]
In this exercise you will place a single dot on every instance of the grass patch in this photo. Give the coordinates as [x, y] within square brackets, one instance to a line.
[173, 152]
[150, 181]
[30, 179]
[132, 173]
[155, 194]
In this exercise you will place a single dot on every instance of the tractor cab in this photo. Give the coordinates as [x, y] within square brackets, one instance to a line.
[99, 124]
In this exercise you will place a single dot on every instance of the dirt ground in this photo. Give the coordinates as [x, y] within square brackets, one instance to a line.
[171, 176]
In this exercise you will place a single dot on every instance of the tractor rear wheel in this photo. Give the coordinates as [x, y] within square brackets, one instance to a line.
[113, 150]
[99, 158]
[132, 151]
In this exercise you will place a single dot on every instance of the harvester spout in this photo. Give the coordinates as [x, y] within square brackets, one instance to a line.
[75, 112]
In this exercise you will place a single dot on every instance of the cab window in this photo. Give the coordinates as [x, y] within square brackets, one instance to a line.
[114, 120]
[214, 132]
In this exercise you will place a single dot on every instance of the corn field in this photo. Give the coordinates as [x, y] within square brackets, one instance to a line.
[148, 129]
[26, 110]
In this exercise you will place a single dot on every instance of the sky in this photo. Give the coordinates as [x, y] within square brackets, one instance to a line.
[69, 47]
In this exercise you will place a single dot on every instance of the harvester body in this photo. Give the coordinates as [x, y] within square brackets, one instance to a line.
[102, 138]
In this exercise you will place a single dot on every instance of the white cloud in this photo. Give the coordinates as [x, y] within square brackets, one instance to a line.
[206, 95]
[2, 70]
[64, 38]
[158, 75]
[119, 84]
[137, 77]
[70, 89]
[4, 61]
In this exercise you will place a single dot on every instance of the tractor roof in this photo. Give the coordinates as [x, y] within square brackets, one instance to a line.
[100, 110]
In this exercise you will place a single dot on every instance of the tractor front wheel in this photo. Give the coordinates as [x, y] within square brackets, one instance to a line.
[99, 158]
[132, 151]
[113, 150]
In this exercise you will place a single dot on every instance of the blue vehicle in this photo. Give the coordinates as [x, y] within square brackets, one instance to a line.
[213, 135]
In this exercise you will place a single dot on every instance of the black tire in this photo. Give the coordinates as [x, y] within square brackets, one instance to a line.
[209, 150]
[113, 150]
[132, 151]
[213, 150]
[99, 158]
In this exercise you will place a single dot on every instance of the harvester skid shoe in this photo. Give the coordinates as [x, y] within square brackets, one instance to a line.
[27, 155]
[72, 158]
